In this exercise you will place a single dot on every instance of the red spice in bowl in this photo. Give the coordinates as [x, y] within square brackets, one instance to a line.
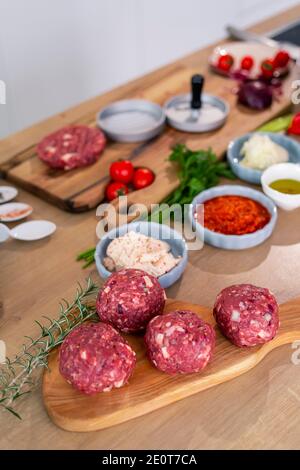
[234, 215]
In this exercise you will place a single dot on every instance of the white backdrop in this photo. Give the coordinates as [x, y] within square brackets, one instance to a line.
[56, 53]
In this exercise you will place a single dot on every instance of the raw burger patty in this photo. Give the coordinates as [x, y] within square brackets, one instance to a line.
[129, 299]
[247, 315]
[95, 358]
[179, 342]
[72, 147]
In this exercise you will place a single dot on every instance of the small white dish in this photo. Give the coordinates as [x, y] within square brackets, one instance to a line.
[14, 208]
[33, 230]
[4, 233]
[28, 231]
[238, 50]
[287, 202]
[7, 193]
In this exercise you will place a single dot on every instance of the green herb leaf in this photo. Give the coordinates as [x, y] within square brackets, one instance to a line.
[197, 170]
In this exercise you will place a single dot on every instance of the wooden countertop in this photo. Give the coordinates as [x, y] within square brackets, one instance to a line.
[260, 409]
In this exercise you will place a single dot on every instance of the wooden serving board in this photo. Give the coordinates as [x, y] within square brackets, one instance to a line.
[83, 189]
[150, 389]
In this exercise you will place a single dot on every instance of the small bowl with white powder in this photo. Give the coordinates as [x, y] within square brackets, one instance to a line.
[154, 248]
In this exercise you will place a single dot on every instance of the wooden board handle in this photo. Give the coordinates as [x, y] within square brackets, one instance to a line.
[289, 314]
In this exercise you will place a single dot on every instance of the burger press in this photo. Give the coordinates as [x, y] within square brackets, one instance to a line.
[132, 120]
[196, 111]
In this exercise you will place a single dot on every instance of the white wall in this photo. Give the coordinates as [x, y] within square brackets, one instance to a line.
[56, 53]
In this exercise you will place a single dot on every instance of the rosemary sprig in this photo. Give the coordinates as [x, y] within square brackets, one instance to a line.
[17, 375]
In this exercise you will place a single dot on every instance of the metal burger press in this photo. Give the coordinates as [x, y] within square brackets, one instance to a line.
[137, 120]
[196, 111]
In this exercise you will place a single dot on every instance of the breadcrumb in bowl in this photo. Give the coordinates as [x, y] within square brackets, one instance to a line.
[154, 248]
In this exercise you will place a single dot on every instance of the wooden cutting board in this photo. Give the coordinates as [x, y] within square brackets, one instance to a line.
[83, 189]
[150, 389]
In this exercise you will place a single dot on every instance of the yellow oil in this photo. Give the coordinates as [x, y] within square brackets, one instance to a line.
[286, 186]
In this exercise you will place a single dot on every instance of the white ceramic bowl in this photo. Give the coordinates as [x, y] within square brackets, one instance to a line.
[7, 193]
[238, 49]
[11, 207]
[288, 202]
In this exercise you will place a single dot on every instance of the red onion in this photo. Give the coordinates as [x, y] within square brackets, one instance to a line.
[255, 95]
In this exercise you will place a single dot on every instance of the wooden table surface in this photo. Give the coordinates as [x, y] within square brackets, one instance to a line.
[260, 409]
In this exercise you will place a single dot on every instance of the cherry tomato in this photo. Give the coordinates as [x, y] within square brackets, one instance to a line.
[247, 62]
[281, 59]
[295, 125]
[115, 189]
[122, 171]
[267, 68]
[225, 62]
[142, 178]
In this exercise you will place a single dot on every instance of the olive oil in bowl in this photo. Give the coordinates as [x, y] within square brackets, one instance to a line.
[286, 186]
[282, 184]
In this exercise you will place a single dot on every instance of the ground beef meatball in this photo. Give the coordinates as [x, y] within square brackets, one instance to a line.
[247, 315]
[72, 147]
[179, 342]
[129, 299]
[95, 358]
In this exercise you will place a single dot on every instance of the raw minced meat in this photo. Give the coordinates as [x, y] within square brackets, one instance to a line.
[95, 358]
[129, 299]
[72, 147]
[179, 342]
[247, 315]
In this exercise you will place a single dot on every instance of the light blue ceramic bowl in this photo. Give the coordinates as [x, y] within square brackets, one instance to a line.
[234, 242]
[248, 174]
[158, 231]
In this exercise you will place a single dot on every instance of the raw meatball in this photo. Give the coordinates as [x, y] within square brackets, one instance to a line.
[247, 315]
[179, 342]
[95, 358]
[129, 299]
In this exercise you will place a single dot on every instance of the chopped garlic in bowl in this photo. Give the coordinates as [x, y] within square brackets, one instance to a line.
[260, 152]
[138, 251]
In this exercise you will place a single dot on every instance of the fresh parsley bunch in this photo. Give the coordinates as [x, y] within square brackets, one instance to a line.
[197, 170]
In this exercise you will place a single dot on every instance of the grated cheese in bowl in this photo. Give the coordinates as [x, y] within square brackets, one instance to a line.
[137, 251]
